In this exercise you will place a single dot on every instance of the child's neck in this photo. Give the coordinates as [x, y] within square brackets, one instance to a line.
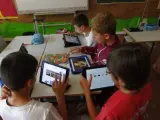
[87, 30]
[125, 91]
[18, 99]
[111, 40]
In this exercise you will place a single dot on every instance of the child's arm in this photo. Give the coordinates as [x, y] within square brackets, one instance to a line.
[59, 88]
[5, 92]
[85, 84]
[62, 106]
[89, 50]
[91, 106]
[72, 33]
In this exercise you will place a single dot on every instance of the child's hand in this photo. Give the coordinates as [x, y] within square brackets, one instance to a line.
[59, 86]
[86, 84]
[75, 50]
[5, 92]
[72, 33]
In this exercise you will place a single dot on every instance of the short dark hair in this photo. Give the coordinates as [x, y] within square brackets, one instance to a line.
[16, 68]
[80, 20]
[131, 63]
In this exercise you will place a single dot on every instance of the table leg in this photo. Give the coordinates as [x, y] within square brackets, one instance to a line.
[153, 43]
[36, 25]
[124, 40]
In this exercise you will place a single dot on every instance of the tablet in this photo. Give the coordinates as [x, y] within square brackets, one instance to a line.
[71, 40]
[78, 63]
[23, 49]
[100, 78]
[49, 72]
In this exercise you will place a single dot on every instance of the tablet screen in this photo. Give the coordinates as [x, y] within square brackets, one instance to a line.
[78, 63]
[72, 39]
[50, 71]
[100, 79]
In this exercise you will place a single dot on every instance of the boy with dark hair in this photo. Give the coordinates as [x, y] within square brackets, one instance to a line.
[81, 25]
[18, 72]
[104, 29]
[129, 68]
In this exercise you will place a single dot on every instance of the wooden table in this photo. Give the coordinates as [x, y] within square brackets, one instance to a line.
[145, 36]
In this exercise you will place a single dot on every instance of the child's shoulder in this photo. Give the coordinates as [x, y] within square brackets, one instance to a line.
[3, 105]
[2, 102]
[42, 105]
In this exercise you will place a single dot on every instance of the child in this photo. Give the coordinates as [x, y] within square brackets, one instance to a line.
[129, 68]
[104, 29]
[81, 25]
[18, 72]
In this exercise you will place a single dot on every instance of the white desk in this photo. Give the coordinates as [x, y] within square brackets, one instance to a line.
[35, 50]
[145, 36]
[55, 45]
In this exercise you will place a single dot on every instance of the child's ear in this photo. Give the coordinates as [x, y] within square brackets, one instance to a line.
[121, 83]
[30, 83]
[106, 36]
[82, 27]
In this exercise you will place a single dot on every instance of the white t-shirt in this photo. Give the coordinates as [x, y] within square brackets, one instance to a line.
[34, 110]
[90, 39]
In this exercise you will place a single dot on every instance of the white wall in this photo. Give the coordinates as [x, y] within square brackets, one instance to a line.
[47, 6]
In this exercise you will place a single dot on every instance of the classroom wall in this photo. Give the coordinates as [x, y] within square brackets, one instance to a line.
[120, 10]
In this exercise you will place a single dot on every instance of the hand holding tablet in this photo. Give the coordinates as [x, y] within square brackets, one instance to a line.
[86, 84]
[100, 78]
[51, 72]
[59, 86]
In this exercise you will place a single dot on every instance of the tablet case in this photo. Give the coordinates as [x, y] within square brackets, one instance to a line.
[70, 44]
[134, 29]
[81, 69]
[42, 67]
[23, 49]
[85, 76]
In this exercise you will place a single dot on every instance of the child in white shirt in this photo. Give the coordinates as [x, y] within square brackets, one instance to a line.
[81, 25]
[18, 72]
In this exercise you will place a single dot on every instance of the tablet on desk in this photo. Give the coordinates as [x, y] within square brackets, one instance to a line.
[23, 49]
[100, 78]
[50, 71]
[70, 40]
[78, 63]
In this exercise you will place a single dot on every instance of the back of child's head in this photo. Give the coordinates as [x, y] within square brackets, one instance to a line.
[80, 20]
[104, 23]
[16, 69]
[131, 63]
